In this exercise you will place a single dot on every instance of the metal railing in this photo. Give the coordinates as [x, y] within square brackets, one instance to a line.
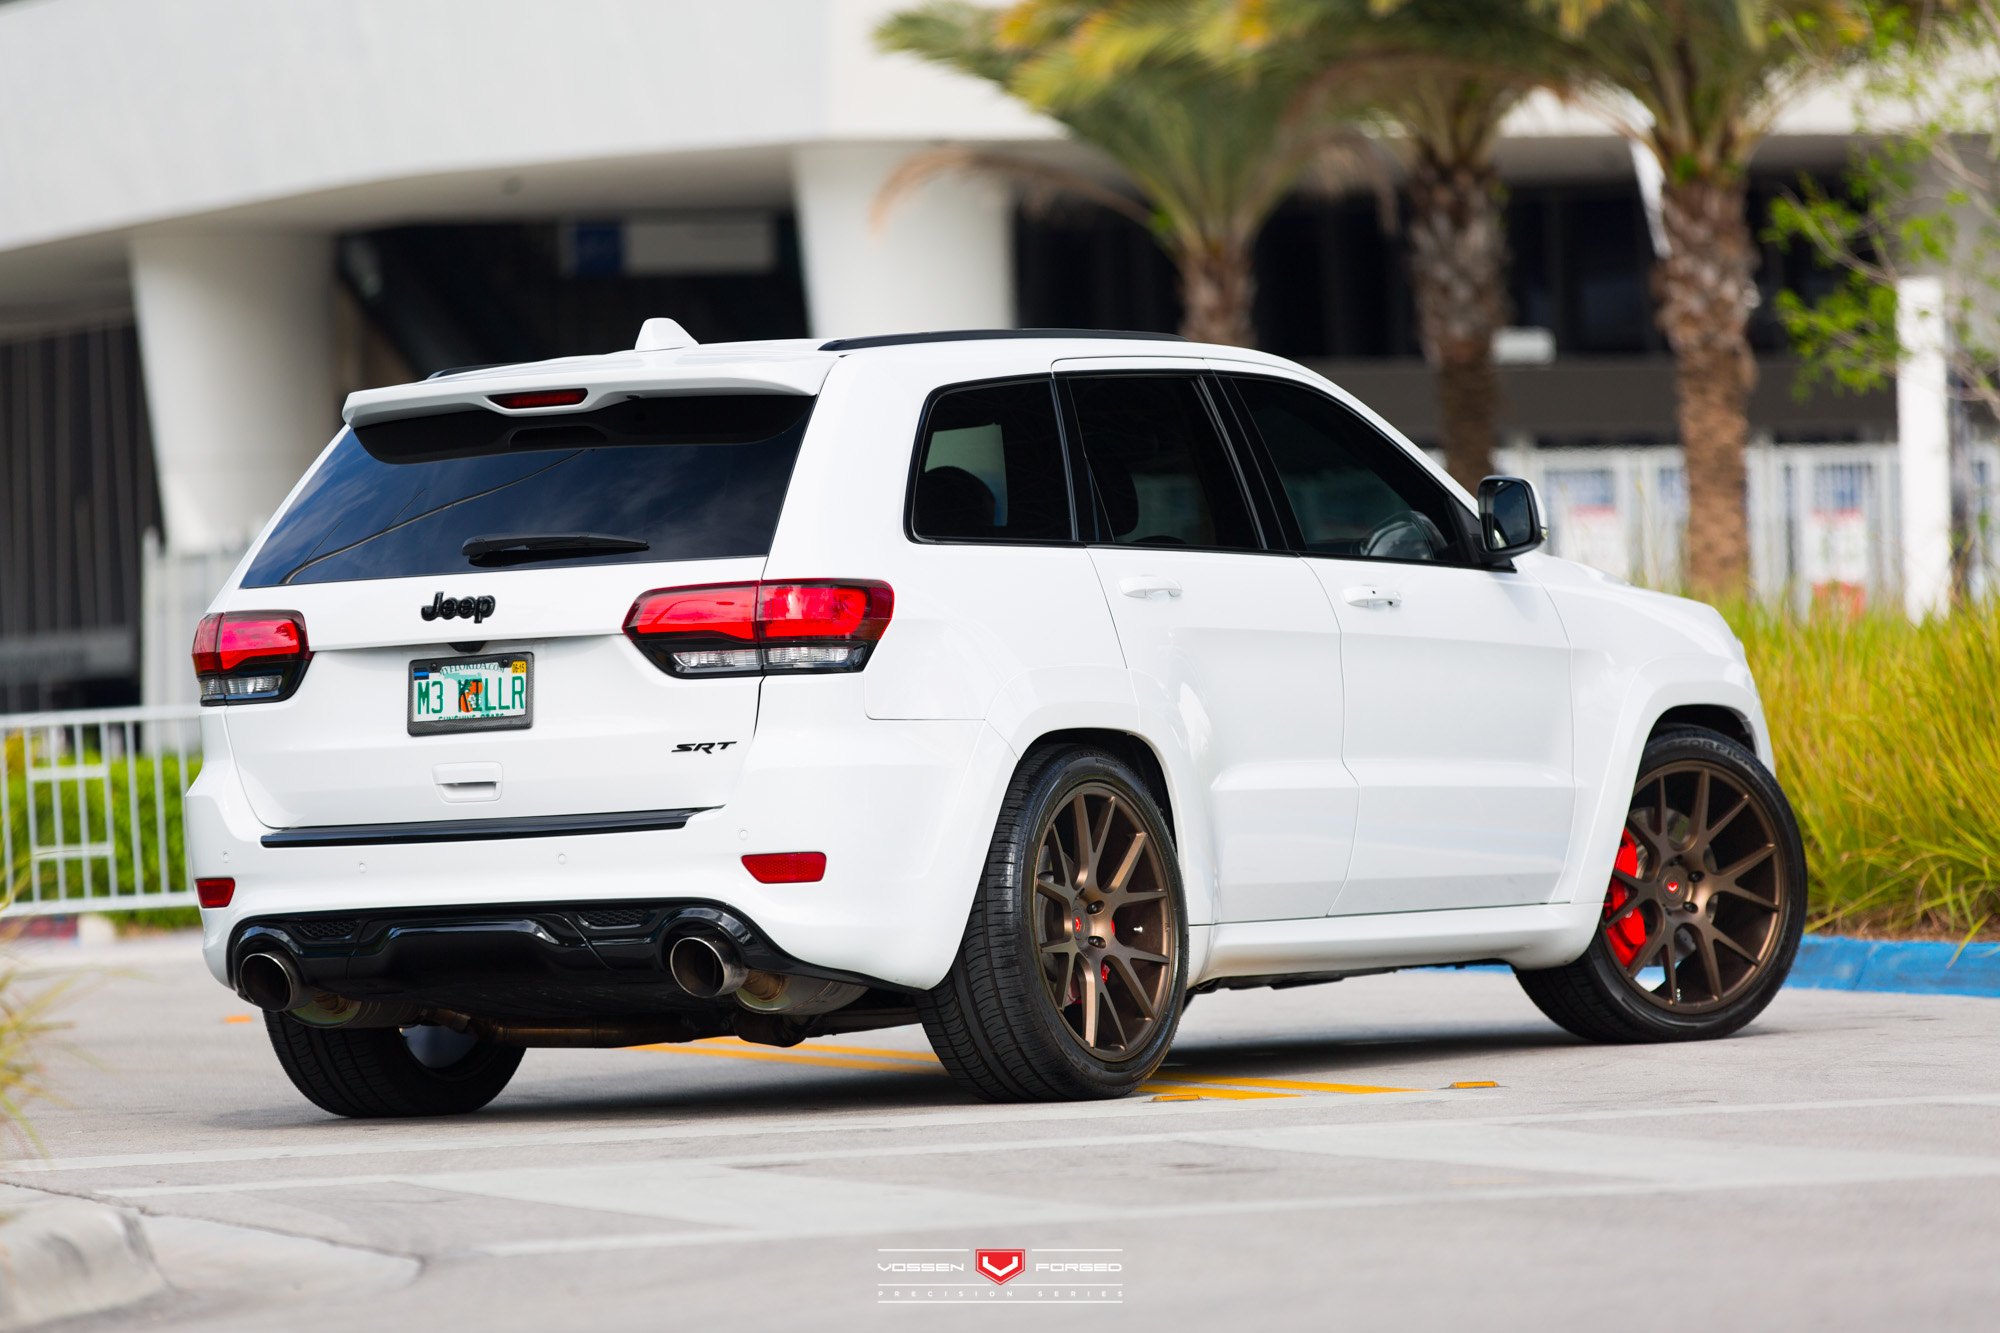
[90, 809]
[1825, 519]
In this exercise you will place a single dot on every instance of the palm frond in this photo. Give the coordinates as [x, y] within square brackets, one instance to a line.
[1041, 183]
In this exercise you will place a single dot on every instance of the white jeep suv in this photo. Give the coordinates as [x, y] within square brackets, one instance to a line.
[1018, 683]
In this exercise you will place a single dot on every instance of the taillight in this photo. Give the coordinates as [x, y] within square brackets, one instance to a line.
[214, 893]
[750, 629]
[244, 657]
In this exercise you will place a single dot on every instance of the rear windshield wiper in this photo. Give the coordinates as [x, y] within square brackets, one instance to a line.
[521, 547]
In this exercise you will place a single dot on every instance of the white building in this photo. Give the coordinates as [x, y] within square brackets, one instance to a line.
[219, 216]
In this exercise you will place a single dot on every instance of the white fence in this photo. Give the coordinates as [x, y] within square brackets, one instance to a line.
[1825, 520]
[90, 809]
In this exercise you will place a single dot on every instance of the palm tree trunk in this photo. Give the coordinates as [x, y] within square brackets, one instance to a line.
[1706, 290]
[1218, 285]
[1458, 260]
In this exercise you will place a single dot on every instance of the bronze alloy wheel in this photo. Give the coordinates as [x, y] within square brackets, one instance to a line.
[1103, 921]
[1698, 899]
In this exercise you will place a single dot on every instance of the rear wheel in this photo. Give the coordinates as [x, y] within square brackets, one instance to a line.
[1705, 908]
[376, 1072]
[1070, 980]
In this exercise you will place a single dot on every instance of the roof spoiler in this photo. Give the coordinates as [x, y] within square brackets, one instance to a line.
[580, 383]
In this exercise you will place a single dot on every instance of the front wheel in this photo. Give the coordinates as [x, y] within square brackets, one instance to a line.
[1705, 908]
[1070, 979]
[373, 1072]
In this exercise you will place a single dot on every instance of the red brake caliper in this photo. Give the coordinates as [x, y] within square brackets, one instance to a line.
[1628, 932]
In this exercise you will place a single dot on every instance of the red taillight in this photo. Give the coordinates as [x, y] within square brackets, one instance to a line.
[249, 656]
[214, 892]
[822, 610]
[540, 398]
[786, 867]
[747, 629]
[729, 611]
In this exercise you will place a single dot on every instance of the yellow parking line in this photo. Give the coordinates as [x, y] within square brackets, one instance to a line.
[1290, 1083]
[880, 1052]
[906, 1061]
[1198, 1090]
[788, 1057]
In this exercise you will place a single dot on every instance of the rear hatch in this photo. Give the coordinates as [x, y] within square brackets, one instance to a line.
[464, 577]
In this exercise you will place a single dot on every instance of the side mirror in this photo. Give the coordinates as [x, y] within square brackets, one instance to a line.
[1510, 518]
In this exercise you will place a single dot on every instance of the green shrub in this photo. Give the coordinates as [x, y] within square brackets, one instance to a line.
[1888, 741]
[85, 816]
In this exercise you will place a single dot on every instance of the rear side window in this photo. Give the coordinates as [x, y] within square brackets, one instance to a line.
[694, 477]
[992, 467]
[1352, 490]
[1158, 466]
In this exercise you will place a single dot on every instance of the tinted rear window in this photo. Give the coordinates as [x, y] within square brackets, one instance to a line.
[696, 477]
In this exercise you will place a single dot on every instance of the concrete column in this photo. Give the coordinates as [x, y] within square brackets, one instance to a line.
[942, 259]
[236, 333]
[1923, 428]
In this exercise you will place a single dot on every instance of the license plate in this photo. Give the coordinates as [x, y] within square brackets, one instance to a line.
[472, 693]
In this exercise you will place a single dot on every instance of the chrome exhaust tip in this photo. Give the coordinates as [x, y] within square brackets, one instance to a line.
[271, 982]
[705, 967]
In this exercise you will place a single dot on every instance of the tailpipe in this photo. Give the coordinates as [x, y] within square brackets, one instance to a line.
[705, 966]
[270, 981]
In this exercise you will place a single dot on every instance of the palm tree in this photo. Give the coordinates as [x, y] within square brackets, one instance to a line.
[1210, 152]
[1697, 83]
[1444, 74]
[1458, 251]
[1441, 76]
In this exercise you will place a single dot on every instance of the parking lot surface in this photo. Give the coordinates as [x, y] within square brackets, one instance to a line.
[1422, 1150]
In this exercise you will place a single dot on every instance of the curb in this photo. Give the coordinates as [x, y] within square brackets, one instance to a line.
[1910, 967]
[60, 1260]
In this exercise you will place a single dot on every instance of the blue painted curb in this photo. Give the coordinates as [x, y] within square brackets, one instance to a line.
[1912, 967]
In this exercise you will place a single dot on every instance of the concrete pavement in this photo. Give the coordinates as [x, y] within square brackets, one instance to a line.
[1305, 1157]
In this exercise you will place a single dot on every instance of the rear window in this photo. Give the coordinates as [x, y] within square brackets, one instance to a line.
[694, 477]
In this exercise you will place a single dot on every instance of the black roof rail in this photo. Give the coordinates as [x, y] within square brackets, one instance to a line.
[980, 335]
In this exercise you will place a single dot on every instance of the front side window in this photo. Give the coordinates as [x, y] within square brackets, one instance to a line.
[1159, 470]
[991, 468]
[1353, 492]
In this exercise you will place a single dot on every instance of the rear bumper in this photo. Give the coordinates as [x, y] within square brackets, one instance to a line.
[524, 962]
[903, 810]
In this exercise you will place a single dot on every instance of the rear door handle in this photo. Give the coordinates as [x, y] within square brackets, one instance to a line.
[1149, 585]
[1371, 595]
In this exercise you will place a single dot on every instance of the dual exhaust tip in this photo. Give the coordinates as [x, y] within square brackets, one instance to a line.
[271, 981]
[706, 967]
[702, 965]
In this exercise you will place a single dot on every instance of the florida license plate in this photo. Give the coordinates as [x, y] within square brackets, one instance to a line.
[472, 693]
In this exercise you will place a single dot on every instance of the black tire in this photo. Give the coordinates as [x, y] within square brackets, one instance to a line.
[992, 1020]
[1592, 996]
[374, 1073]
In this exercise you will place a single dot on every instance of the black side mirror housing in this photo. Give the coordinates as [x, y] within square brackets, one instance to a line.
[1510, 519]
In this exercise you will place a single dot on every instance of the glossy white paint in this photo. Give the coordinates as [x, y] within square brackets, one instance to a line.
[606, 719]
[1439, 757]
[1212, 640]
[1458, 736]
